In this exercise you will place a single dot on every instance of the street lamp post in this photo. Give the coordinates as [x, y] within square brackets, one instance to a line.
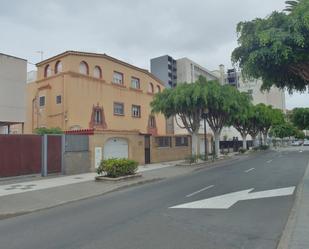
[204, 116]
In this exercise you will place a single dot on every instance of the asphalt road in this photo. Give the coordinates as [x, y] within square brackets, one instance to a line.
[141, 217]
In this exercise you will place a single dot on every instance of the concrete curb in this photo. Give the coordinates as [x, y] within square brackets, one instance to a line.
[132, 184]
[284, 242]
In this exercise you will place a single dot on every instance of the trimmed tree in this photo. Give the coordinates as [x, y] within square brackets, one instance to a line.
[300, 118]
[42, 131]
[276, 48]
[222, 104]
[241, 119]
[186, 101]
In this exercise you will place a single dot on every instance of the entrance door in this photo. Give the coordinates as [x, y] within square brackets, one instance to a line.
[147, 149]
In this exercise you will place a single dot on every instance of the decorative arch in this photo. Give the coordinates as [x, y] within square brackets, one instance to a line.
[47, 71]
[158, 90]
[97, 118]
[97, 72]
[152, 125]
[84, 68]
[150, 88]
[58, 67]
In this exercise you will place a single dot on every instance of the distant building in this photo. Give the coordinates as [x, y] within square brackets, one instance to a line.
[189, 71]
[165, 69]
[13, 77]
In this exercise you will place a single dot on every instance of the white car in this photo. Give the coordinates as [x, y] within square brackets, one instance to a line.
[296, 143]
[306, 143]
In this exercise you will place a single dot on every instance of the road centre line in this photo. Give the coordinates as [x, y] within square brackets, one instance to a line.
[199, 191]
[269, 161]
[247, 171]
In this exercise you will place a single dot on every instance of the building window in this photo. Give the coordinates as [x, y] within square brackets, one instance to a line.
[118, 78]
[136, 111]
[58, 67]
[97, 72]
[42, 101]
[118, 108]
[98, 117]
[158, 90]
[150, 88]
[58, 99]
[163, 141]
[135, 83]
[47, 71]
[152, 122]
[182, 141]
[84, 68]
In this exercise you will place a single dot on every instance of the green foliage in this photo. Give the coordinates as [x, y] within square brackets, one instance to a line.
[42, 131]
[192, 159]
[188, 101]
[223, 103]
[117, 167]
[242, 150]
[241, 119]
[300, 118]
[283, 130]
[276, 48]
[264, 147]
[299, 134]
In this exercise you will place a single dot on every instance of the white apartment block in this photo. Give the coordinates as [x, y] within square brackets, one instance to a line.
[189, 71]
[13, 77]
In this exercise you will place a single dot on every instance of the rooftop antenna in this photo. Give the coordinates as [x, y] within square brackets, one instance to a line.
[41, 53]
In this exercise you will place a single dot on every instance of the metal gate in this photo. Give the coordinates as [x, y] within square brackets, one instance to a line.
[54, 153]
[20, 155]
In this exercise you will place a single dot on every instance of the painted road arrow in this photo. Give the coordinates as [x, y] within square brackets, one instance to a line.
[228, 200]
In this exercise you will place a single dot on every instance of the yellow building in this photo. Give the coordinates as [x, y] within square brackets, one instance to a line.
[88, 93]
[77, 90]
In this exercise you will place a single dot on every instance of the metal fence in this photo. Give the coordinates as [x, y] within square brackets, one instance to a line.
[76, 143]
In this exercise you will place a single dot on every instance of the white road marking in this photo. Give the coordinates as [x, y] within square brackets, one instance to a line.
[247, 171]
[227, 200]
[199, 191]
[300, 151]
[269, 161]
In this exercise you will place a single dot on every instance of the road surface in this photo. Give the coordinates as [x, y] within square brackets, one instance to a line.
[258, 195]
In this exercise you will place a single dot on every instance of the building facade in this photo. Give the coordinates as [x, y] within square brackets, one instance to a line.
[13, 77]
[76, 90]
[165, 68]
[189, 71]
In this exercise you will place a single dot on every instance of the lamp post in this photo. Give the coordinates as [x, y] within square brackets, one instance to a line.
[204, 116]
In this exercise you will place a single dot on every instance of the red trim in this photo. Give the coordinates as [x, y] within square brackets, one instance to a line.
[80, 132]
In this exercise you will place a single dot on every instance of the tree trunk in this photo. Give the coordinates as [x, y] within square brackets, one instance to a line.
[265, 138]
[217, 143]
[195, 143]
[244, 142]
[255, 141]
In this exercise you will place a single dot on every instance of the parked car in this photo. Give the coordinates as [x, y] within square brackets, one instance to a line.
[306, 143]
[296, 143]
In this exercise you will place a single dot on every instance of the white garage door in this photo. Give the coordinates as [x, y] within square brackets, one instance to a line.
[116, 148]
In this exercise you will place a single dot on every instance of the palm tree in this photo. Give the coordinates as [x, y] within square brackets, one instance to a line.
[291, 5]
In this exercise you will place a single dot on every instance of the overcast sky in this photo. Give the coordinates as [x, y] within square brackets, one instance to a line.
[131, 30]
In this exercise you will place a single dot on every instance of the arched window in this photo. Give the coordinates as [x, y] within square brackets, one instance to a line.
[84, 68]
[58, 67]
[47, 71]
[97, 72]
[158, 90]
[150, 88]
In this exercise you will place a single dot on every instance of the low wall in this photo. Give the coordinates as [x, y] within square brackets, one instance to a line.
[171, 153]
[76, 162]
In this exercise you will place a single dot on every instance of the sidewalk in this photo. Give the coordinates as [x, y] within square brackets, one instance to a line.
[296, 234]
[29, 196]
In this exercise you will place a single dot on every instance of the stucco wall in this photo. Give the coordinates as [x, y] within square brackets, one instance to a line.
[80, 93]
[13, 77]
[165, 154]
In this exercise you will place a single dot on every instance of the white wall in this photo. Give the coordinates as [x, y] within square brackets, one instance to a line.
[13, 76]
